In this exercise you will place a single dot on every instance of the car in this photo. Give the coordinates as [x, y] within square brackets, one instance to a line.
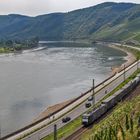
[90, 98]
[66, 119]
[88, 104]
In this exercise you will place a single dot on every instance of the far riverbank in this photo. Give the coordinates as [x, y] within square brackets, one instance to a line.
[130, 58]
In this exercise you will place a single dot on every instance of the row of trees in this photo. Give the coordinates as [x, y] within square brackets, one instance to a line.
[17, 45]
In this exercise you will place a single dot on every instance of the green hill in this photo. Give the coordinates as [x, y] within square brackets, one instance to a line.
[107, 21]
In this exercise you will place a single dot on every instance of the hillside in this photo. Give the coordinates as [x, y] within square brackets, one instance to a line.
[107, 21]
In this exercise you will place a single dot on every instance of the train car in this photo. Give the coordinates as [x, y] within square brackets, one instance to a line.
[119, 95]
[109, 102]
[89, 118]
[133, 84]
[138, 78]
[99, 111]
[127, 89]
[85, 119]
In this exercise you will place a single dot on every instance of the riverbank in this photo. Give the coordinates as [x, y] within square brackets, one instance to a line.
[52, 109]
[130, 58]
[23, 51]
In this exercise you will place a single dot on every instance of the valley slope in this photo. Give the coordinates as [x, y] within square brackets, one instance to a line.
[107, 21]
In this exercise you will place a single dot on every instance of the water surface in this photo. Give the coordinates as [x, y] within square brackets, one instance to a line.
[32, 81]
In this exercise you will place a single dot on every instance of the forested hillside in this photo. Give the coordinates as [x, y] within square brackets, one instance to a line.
[106, 21]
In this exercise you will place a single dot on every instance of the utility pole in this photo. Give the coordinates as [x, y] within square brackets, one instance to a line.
[137, 63]
[0, 131]
[55, 132]
[0, 128]
[93, 92]
[38, 136]
[124, 73]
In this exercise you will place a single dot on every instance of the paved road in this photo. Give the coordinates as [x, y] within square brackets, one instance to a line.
[101, 91]
[128, 46]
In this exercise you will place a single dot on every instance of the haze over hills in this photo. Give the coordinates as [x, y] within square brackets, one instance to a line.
[107, 21]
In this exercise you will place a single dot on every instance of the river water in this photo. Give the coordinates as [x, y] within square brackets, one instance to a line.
[34, 80]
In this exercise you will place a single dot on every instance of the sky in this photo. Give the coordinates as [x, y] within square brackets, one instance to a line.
[38, 7]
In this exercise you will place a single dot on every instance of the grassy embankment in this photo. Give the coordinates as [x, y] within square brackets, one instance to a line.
[6, 49]
[11, 48]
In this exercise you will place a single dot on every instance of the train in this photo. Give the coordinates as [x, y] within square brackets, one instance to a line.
[108, 103]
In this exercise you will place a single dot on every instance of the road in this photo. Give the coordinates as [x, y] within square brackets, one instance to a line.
[101, 91]
[128, 46]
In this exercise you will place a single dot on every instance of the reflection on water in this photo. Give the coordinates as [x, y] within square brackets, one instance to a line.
[31, 81]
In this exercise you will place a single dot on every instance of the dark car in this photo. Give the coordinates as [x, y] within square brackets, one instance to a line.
[88, 104]
[66, 119]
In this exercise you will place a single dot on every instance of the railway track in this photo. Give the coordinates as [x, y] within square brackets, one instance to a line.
[76, 135]
[81, 130]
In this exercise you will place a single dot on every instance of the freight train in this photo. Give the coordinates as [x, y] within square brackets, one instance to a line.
[110, 102]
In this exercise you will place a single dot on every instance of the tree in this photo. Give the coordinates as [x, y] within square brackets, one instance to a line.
[126, 122]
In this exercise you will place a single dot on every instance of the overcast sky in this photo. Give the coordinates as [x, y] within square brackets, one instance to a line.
[38, 7]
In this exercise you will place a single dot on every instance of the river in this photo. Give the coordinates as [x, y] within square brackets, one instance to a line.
[34, 80]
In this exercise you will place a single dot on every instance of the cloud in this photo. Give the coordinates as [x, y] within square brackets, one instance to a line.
[37, 7]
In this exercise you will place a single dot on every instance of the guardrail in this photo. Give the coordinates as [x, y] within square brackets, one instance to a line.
[66, 108]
